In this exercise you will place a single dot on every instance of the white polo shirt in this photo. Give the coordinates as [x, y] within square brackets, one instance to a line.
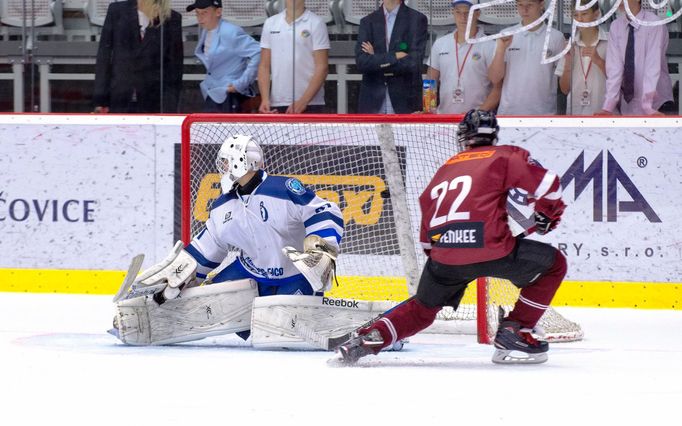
[474, 60]
[311, 35]
[529, 87]
[595, 84]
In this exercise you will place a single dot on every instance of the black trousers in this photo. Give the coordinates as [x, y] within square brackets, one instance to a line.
[444, 285]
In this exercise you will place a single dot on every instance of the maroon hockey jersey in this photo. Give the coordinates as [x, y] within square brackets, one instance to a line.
[464, 207]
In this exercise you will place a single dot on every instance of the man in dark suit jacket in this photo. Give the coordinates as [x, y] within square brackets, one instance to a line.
[391, 75]
[129, 72]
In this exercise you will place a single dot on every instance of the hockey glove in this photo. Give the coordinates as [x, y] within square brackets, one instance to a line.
[544, 224]
[317, 263]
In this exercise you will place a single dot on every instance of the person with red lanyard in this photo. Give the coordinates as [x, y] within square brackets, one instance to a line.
[389, 53]
[582, 72]
[462, 68]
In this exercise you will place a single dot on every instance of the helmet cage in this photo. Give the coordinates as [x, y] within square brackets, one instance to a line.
[238, 155]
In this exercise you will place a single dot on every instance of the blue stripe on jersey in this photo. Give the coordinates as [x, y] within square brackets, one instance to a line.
[200, 257]
[275, 186]
[322, 217]
[224, 198]
[327, 233]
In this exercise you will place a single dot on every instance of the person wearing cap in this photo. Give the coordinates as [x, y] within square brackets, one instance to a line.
[295, 59]
[231, 58]
[389, 53]
[462, 67]
[529, 86]
[139, 58]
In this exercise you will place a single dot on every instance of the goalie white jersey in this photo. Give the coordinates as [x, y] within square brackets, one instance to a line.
[279, 212]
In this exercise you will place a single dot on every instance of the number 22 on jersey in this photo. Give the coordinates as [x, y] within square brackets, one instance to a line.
[439, 192]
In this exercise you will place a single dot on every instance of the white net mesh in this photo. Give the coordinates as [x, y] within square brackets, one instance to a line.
[342, 162]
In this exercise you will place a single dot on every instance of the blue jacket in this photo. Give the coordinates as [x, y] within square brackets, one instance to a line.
[233, 59]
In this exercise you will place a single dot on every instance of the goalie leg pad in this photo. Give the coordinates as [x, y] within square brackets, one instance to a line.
[199, 312]
[271, 321]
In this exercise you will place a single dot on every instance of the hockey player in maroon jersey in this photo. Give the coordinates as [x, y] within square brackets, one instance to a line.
[465, 234]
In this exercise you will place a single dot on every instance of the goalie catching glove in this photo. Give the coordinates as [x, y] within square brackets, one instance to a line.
[317, 263]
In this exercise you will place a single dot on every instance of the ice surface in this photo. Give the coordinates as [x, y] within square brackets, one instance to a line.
[59, 367]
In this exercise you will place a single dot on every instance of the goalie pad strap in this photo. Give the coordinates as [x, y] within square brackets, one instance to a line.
[199, 312]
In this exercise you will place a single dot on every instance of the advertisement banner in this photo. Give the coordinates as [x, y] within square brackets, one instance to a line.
[85, 196]
[89, 194]
[622, 187]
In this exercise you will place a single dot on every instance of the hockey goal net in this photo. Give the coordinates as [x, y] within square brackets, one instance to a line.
[374, 168]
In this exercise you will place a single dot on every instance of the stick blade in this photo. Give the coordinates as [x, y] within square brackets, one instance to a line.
[133, 269]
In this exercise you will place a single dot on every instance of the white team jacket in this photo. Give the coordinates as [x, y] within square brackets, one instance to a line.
[279, 212]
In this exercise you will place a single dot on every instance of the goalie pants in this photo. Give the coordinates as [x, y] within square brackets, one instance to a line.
[296, 284]
[534, 267]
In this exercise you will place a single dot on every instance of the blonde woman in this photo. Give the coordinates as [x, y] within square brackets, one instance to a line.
[139, 61]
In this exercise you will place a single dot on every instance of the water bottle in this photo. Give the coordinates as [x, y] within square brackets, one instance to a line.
[429, 96]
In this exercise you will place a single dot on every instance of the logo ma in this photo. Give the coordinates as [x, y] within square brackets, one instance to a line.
[594, 174]
[615, 175]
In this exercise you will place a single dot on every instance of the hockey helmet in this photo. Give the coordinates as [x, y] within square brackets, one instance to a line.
[478, 127]
[238, 155]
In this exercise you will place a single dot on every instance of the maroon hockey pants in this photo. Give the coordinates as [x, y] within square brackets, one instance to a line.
[535, 298]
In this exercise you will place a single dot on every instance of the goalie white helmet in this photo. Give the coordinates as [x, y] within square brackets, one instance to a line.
[238, 155]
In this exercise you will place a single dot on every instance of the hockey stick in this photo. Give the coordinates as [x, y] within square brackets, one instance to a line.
[133, 269]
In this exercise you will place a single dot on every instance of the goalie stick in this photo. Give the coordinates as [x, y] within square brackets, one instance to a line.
[133, 270]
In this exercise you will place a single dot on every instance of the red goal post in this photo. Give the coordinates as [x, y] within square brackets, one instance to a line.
[374, 167]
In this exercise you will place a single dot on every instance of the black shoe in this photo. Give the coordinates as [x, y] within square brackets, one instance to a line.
[516, 345]
[360, 346]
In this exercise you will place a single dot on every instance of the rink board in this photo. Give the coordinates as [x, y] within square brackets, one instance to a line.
[81, 195]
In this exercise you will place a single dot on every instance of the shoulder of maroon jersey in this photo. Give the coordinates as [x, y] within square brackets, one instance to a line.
[475, 153]
[511, 149]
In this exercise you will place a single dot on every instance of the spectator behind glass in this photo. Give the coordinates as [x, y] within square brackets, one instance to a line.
[306, 64]
[529, 87]
[128, 73]
[651, 86]
[230, 56]
[462, 68]
[391, 69]
[582, 72]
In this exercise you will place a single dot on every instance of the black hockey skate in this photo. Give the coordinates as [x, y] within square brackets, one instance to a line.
[516, 345]
[358, 347]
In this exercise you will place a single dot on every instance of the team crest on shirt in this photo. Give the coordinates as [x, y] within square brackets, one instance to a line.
[228, 217]
[294, 185]
[264, 212]
[305, 33]
[476, 56]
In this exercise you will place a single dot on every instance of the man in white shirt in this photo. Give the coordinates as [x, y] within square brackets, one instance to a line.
[306, 64]
[462, 68]
[529, 86]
